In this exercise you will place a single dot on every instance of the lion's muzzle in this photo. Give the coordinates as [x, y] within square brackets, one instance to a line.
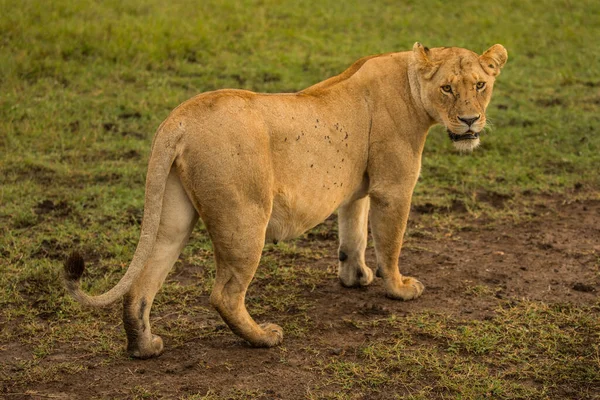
[465, 136]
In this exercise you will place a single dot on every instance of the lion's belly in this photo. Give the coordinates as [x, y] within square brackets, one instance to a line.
[293, 215]
[307, 200]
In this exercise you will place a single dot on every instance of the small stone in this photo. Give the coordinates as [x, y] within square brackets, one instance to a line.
[336, 351]
[189, 364]
[582, 287]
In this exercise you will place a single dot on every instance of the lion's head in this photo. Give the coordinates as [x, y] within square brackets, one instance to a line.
[456, 87]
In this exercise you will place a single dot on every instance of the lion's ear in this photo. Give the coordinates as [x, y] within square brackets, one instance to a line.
[493, 59]
[427, 67]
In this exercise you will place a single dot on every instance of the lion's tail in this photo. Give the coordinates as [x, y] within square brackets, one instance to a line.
[159, 167]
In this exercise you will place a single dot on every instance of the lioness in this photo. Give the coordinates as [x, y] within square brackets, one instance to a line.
[267, 167]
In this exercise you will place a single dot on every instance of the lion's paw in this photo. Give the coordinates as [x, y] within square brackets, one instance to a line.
[153, 349]
[408, 290]
[355, 277]
[272, 335]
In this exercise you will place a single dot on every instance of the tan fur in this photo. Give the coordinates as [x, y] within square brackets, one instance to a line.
[267, 167]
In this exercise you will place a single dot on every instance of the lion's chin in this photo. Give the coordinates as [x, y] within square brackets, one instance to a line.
[467, 141]
[466, 145]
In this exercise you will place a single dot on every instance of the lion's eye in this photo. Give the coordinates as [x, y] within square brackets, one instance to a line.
[480, 85]
[447, 88]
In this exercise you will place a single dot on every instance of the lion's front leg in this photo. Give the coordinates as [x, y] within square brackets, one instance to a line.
[388, 223]
[353, 229]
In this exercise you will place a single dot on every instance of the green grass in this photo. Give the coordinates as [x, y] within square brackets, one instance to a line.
[84, 84]
[526, 351]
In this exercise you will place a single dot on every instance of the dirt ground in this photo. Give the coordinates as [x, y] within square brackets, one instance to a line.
[551, 256]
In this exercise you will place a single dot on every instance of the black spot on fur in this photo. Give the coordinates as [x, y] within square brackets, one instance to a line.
[74, 267]
[143, 305]
[131, 324]
[359, 274]
[343, 256]
[379, 274]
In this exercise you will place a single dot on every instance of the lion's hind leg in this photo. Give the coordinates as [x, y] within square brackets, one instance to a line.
[238, 239]
[177, 220]
[353, 229]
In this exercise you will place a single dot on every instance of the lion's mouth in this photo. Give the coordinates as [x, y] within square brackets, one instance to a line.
[470, 135]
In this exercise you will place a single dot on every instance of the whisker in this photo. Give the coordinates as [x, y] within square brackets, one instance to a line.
[489, 126]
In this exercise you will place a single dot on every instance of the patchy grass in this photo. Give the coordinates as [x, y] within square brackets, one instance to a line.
[84, 84]
[545, 347]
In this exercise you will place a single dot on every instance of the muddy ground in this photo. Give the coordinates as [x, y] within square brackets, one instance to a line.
[550, 256]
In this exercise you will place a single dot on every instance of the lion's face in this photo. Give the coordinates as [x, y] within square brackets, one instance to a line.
[456, 88]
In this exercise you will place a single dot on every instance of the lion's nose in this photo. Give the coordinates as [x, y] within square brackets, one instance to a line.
[469, 120]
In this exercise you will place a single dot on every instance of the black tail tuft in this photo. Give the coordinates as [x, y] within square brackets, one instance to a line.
[74, 267]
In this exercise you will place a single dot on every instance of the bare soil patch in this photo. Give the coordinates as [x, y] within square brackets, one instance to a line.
[553, 257]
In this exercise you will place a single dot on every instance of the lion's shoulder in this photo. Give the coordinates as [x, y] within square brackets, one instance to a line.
[344, 76]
